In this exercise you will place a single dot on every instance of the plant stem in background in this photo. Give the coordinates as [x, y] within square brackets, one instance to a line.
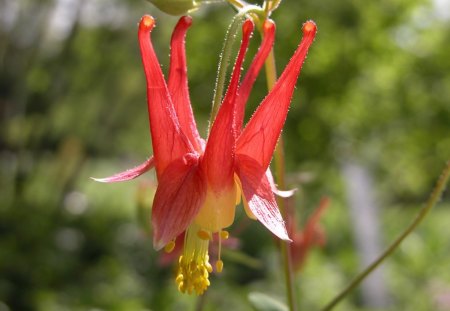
[432, 201]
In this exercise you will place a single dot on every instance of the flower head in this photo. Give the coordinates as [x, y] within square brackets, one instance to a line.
[311, 235]
[201, 182]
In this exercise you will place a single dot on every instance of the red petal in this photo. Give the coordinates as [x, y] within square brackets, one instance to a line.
[220, 148]
[169, 143]
[261, 134]
[178, 198]
[253, 71]
[258, 194]
[128, 174]
[178, 82]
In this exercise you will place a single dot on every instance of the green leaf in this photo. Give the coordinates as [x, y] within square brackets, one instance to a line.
[262, 302]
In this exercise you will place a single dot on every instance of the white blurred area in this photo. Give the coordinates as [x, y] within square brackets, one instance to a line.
[442, 9]
[60, 16]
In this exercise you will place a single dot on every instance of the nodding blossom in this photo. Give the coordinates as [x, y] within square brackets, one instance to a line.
[200, 182]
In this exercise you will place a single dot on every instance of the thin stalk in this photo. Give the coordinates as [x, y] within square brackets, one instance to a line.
[225, 55]
[270, 5]
[432, 201]
[201, 301]
[224, 61]
[280, 176]
[237, 3]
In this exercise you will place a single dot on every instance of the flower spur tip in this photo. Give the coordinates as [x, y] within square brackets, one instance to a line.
[269, 25]
[248, 26]
[309, 27]
[147, 23]
[187, 20]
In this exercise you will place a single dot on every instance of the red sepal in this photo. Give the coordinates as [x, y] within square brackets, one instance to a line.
[129, 174]
[278, 192]
[259, 196]
[181, 192]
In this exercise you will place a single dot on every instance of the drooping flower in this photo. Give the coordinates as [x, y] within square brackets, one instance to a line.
[311, 235]
[201, 182]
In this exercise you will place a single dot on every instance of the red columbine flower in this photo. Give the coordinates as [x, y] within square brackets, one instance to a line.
[200, 183]
[312, 234]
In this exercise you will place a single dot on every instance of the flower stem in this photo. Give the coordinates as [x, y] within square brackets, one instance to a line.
[271, 5]
[225, 55]
[223, 65]
[237, 3]
[280, 176]
[433, 199]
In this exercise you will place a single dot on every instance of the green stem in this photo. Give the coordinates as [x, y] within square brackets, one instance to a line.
[270, 5]
[223, 65]
[280, 176]
[433, 199]
[225, 55]
[201, 300]
[237, 3]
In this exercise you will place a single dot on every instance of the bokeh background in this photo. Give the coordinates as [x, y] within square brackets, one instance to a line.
[368, 127]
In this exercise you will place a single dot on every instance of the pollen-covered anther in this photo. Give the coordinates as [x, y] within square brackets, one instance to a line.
[193, 276]
[204, 235]
[169, 247]
[224, 234]
[219, 266]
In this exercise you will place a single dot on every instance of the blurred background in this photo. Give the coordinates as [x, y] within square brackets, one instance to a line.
[368, 127]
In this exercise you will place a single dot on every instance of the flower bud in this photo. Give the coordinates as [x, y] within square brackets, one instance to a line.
[176, 7]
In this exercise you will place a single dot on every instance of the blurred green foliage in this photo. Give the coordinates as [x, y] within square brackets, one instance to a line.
[375, 87]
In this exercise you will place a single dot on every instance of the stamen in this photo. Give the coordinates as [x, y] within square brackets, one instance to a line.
[204, 235]
[193, 266]
[169, 247]
[224, 234]
[209, 267]
[219, 266]
[219, 263]
[179, 279]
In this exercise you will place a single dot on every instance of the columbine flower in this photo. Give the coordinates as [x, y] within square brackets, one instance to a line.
[303, 240]
[200, 183]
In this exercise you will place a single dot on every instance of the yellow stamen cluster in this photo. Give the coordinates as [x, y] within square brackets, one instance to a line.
[193, 276]
[193, 266]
